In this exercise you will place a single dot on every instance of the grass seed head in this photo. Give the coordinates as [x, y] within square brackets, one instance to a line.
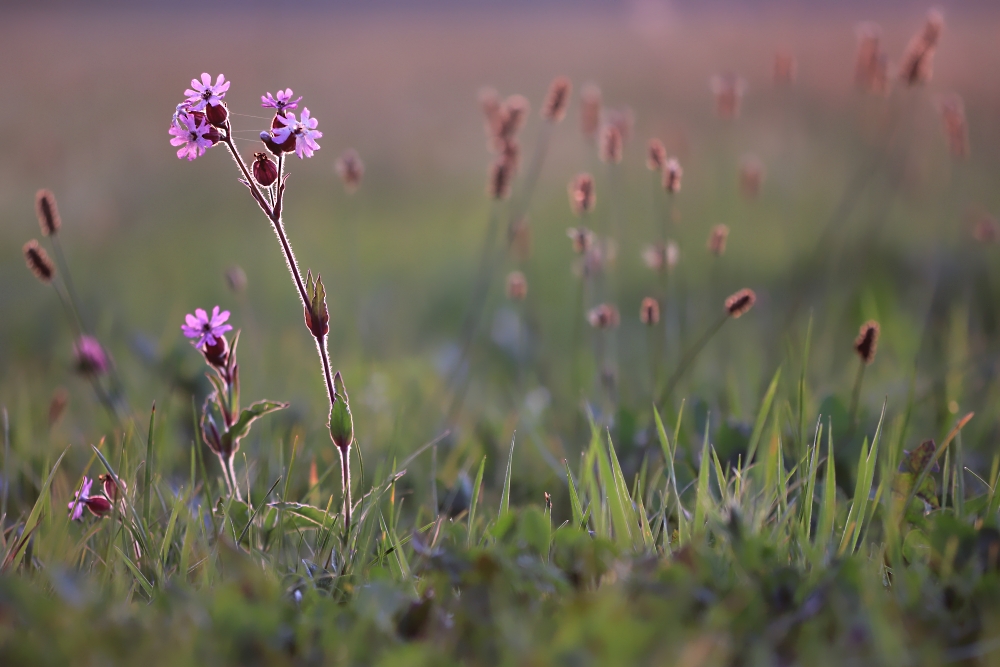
[867, 341]
[672, 173]
[649, 311]
[728, 89]
[590, 110]
[351, 169]
[517, 286]
[38, 261]
[48, 212]
[717, 240]
[581, 194]
[740, 302]
[656, 156]
[917, 64]
[752, 173]
[956, 130]
[610, 144]
[557, 99]
[582, 238]
[603, 316]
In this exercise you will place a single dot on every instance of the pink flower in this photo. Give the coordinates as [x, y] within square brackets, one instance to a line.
[193, 134]
[91, 359]
[203, 93]
[98, 505]
[282, 100]
[206, 329]
[304, 131]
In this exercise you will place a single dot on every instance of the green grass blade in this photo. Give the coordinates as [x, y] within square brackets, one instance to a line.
[761, 421]
[619, 518]
[143, 581]
[505, 496]
[828, 509]
[862, 489]
[810, 491]
[802, 384]
[148, 468]
[16, 551]
[621, 490]
[475, 499]
[169, 533]
[702, 493]
[574, 498]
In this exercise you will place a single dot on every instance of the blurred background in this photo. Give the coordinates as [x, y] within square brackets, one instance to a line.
[862, 213]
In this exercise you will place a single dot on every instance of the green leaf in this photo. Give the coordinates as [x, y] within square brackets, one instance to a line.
[758, 426]
[16, 551]
[341, 421]
[232, 437]
[574, 498]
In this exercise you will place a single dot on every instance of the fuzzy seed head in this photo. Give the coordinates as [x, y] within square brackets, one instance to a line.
[604, 316]
[48, 213]
[501, 176]
[867, 341]
[672, 173]
[590, 110]
[717, 240]
[785, 68]
[656, 157]
[917, 64]
[956, 130]
[582, 238]
[728, 89]
[740, 302]
[38, 261]
[581, 194]
[752, 173]
[350, 168]
[610, 144]
[517, 286]
[649, 311]
[557, 99]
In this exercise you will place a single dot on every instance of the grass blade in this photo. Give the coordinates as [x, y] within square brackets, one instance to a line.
[475, 499]
[702, 497]
[574, 498]
[148, 468]
[505, 496]
[758, 426]
[16, 551]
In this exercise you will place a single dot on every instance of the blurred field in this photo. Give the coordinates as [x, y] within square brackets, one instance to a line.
[149, 236]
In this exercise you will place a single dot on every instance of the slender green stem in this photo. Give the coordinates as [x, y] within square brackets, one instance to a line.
[689, 357]
[856, 395]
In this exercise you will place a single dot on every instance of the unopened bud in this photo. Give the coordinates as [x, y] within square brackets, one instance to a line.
[217, 114]
[265, 172]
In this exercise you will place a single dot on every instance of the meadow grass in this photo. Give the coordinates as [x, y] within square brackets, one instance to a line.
[526, 489]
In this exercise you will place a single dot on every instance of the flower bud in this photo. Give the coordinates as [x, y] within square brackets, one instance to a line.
[217, 114]
[111, 489]
[217, 354]
[265, 172]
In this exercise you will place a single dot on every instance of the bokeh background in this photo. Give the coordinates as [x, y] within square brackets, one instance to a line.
[150, 237]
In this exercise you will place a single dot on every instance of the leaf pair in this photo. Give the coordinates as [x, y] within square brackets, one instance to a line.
[316, 313]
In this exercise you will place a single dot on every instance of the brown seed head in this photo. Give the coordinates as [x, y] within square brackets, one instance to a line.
[581, 194]
[649, 312]
[717, 240]
[604, 316]
[917, 64]
[739, 303]
[871, 64]
[785, 68]
[655, 256]
[48, 212]
[557, 99]
[752, 173]
[520, 239]
[350, 168]
[38, 261]
[511, 117]
[672, 173]
[955, 128]
[624, 119]
[590, 110]
[728, 89]
[582, 238]
[984, 228]
[501, 175]
[517, 286]
[867, 341]
[656, 157]
[510, 151]
[610, 144]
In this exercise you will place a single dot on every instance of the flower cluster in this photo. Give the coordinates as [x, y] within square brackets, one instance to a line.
[202, 120]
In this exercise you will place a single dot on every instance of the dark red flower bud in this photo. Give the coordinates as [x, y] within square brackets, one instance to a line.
[265, 171]
[218, 354]
[98, 505]
[217, 114]
[110, 488]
